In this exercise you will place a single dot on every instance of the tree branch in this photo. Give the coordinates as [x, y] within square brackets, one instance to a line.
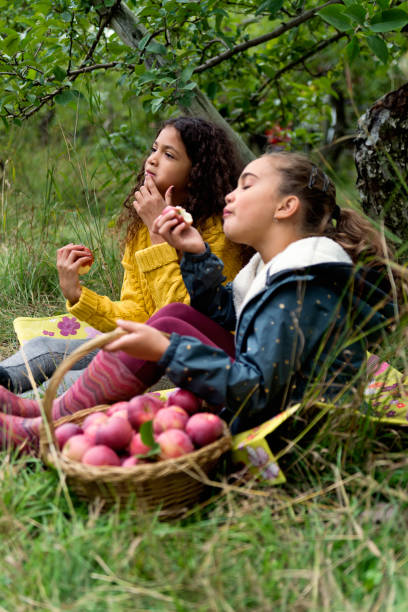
[256, 98]
[285, 27]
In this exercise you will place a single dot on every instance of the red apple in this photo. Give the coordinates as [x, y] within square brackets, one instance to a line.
[204, 428]
[75, 447]
[172, 417]
[120, 409]
[92, 422]
[136, 446]
[185, 399]
[129, 461]
[174, 443]
[65, 432]
[116, 432]
[143, 408]
[100, 455]
[86, 267]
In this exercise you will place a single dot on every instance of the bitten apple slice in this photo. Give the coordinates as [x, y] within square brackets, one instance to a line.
[85, 268]
[187, 217]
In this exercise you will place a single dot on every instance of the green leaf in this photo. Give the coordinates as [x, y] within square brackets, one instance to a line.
[356, 13]
[272, 6]
[212, 88]
[352, 50]
[146, 433]
[142, 42]
[156, 48]
[32, 74]
[378, 47]
[156, 104]
[11, 43]
[59, 73]
[335, 16]
[67, 96]
[392, 19]
[186, 74]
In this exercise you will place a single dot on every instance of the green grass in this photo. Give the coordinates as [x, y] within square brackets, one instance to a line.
[334, 538]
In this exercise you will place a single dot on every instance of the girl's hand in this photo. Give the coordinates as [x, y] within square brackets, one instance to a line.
[69, 259]
[142, 341]
[148, 204]
[181, 235]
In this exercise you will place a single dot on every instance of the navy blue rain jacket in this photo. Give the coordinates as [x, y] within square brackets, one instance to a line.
[306, 332]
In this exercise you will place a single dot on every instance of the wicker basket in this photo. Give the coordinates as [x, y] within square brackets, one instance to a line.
[173, 485]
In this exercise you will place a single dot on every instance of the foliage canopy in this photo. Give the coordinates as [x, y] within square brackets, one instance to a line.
[260, 63]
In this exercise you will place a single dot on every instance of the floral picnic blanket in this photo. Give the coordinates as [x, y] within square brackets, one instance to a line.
[58, 326]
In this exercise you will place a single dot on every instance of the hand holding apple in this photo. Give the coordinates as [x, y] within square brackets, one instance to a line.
[172, 225]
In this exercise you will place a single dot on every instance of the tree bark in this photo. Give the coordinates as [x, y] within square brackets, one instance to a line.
[381, 157]
[130, 31]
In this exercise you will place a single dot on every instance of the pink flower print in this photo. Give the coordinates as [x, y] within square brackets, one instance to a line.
[68, 326]
[271, 471]
[47, 333]
[401, 405]
[257, 456]
[91, 332]
[383, 366]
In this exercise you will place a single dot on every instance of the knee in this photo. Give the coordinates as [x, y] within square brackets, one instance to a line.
[165, 323]
[176, 309]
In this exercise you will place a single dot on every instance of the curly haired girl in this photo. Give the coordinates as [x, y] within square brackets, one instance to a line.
[193, 160]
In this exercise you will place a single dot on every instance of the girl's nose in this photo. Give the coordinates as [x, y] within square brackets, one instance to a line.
[229, 197]
[153, 157]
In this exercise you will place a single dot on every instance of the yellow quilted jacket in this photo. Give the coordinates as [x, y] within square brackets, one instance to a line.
[152, 279]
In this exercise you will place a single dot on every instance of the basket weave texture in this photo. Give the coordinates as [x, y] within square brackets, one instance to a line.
[173, 485]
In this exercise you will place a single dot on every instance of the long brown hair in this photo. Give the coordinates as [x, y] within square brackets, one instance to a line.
[215, 168]
[321, 214]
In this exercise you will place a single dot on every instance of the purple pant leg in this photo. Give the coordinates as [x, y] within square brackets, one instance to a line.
[186, 321]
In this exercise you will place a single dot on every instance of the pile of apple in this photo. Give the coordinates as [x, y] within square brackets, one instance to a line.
[143, 429]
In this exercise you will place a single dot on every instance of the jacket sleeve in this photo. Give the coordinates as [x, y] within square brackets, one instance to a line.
[159, 266]
[102, 312]
[252, 388]
[265, 361]
[204, 277]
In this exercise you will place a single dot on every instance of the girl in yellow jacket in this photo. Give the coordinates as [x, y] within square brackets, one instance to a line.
[193, 161]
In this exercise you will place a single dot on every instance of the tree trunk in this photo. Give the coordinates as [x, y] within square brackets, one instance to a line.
[381, 158]
[130, 31]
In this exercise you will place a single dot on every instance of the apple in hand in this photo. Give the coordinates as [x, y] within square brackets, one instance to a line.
[100, 455]
[172, 417]
[174, 443]
[86, 267]
[204, 428]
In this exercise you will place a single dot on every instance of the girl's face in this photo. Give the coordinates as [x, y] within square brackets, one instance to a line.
[168, 163]
[250, 209]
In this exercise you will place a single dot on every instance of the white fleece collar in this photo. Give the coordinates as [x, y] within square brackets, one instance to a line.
[300, 254]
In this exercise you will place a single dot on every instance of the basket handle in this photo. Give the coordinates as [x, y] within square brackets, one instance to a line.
[66, 364]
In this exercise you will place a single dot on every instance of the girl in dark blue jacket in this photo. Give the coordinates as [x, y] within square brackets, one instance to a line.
[295, 324]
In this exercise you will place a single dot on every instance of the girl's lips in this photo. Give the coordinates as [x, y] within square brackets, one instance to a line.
[226, 212]
[149, 173]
